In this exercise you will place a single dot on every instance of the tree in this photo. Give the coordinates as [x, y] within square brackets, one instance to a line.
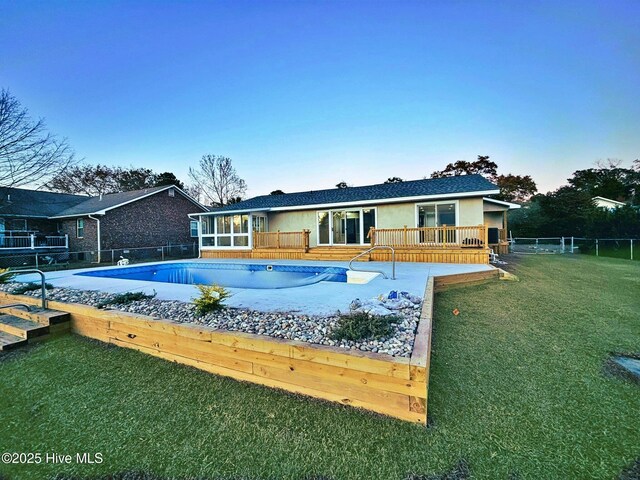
[342, 185]
[86, 180]
[614, 182]
[394, 180]
[167, 178]
[135, 178]
[218, 181]
[28, 153]
[482, 166]
[515, 188]
[277, 192]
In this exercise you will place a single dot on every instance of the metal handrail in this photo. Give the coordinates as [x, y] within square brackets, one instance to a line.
[43, 288]
[393, 261]
[15, 305]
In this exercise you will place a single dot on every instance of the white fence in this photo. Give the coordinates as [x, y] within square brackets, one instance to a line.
[627, 248]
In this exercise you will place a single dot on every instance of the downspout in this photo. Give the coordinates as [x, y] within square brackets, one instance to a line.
[98, 228]
[191, 216]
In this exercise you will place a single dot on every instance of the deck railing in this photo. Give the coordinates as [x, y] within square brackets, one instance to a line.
[34, 241]
[278, 240]
[430, 237]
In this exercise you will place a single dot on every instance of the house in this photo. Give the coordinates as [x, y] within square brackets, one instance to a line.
[42, 221]
[433, 220]
[607, 203]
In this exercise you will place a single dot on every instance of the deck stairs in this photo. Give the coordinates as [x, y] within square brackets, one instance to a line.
[336, 253]
[19, 327]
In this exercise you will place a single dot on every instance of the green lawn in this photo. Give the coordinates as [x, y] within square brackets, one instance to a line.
[517, 391]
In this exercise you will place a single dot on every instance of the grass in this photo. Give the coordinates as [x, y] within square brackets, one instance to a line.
[517, 391]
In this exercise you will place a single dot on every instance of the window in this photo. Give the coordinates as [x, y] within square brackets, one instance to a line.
[172, 192]
[226, 231]
[437, 214]
[80, 228]
[18, 225]
[259, 223]
[193, 226]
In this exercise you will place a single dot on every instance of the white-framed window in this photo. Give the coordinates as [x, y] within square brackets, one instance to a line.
[80, 228]
[226, 231]
[193, 228]
[348, 226]
[259, 223]
[172, 192]
[437, 214]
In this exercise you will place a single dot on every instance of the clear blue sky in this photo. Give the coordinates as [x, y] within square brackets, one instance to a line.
[304, 94]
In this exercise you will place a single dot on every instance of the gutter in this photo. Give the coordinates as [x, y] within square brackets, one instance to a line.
[99, 240]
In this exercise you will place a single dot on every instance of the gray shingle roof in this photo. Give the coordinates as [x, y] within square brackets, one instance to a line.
[385, 191]
[97, 204]
[19, 202]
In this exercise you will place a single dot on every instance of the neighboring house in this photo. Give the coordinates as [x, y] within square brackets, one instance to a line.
[142, 218]
[25, 219]
[445, 219]
[607, 203]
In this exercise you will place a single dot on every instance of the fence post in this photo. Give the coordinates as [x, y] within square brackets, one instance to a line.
[66, 240]
[113, 256]
[632, 249]
[562, 247]
[162, 252]
[33, 241]
[536, 245]
[571, 244]
[597, 247]
[36, 260]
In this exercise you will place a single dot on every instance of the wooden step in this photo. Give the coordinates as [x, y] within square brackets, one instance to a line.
[26, 329]
[44, 317]
[8, 341]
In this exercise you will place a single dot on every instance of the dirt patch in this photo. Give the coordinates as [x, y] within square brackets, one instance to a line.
[632, 472]
[613, 369]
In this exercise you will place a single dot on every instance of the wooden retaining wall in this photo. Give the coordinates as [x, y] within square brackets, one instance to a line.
[391, 386]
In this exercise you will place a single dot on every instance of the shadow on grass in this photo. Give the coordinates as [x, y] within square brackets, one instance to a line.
[459, 472]
[632, 472]
[136, 475]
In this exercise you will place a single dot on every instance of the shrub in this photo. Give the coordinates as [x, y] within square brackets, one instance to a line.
[30, 287]
[211, 298]
[124, 298]
[361, 326]
[6, 275]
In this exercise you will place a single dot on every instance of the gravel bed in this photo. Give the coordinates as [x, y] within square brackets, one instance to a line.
[287, 325]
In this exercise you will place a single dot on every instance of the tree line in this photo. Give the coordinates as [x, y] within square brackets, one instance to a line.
[30, 155]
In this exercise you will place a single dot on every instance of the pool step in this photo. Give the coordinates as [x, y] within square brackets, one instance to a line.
[19, 326]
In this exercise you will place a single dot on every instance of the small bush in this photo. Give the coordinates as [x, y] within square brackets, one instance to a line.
[30, 287]
[6, 275]
[124, 298]
[211, 298]
[361, 326]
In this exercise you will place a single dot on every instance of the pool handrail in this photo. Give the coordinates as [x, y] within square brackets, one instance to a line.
[393, 261]
[43, 289]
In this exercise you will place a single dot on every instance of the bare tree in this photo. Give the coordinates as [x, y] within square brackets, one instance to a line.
[28, 153]
[218, 181]
[90, 180]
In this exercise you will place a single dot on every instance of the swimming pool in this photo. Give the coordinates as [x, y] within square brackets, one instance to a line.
[227, 274]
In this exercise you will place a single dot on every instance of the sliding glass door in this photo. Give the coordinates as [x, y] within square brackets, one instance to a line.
[345, 227]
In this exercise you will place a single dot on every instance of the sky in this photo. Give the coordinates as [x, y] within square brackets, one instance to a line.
[304, 94]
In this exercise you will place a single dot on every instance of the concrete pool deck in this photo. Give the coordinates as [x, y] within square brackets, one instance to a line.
[318, 299]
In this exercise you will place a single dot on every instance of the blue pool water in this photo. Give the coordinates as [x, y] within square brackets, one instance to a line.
[227, 274]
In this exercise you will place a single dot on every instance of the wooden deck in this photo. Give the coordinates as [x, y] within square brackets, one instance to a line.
[403, 254]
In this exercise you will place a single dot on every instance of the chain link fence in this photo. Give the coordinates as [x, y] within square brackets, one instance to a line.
[60, 259]
[625, 248]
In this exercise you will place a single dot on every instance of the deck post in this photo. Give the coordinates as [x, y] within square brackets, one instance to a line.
[305, 234]
[32, 237]
[372, 236]
[278, 239]
[404, 237]
[66, 240]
